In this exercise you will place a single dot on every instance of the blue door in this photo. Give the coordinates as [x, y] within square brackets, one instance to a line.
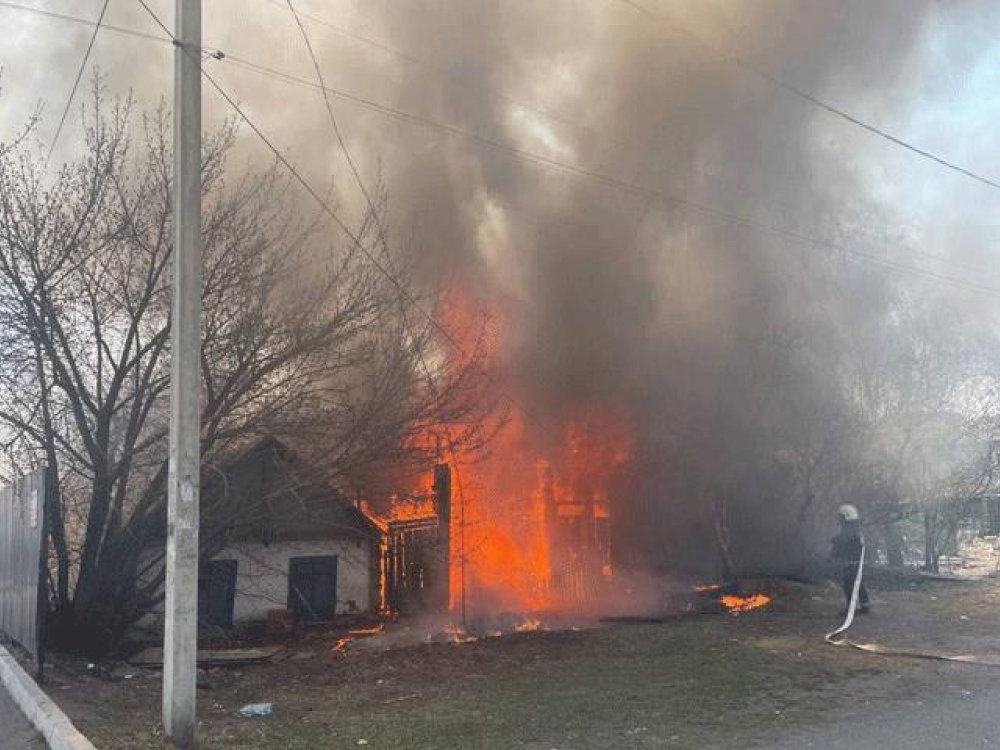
[312, 587]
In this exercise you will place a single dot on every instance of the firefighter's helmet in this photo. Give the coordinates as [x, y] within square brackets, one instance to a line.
[848, 513]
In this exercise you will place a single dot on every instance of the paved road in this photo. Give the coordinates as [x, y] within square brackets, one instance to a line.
[954, 723]
[15, 731]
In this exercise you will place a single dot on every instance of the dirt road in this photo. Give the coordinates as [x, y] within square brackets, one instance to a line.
[15, 731]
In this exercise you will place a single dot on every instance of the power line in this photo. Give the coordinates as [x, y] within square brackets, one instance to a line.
[358, 244]
[499, 94]
[83, 21]
[615, 182]
[510, 150]
[76, 83]
[217, 54]
[260, 134]
[496, 92]
[159, 23]
[405, 317]
[337, 132]
[406, 57]
[808, 97]
[554, 117]
[356, 172]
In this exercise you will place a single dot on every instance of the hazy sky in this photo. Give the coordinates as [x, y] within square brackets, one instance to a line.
[940, 94]
[606, 88]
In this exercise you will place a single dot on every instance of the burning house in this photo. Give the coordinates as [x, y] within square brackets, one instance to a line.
[416, 550]
[517, 532]
[523, 531]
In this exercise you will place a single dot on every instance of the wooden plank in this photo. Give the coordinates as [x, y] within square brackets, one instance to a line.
[153, 657]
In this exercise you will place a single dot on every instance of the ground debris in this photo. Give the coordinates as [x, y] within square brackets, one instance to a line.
[153, 657]
[399, 698]
[255, 710]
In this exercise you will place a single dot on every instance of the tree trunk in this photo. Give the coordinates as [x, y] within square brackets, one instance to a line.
[894, 545]
[931, 552]
[721, 526]
[95, 541]
[57, 533]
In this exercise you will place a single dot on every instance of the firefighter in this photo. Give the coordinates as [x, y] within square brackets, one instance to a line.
[847, 547]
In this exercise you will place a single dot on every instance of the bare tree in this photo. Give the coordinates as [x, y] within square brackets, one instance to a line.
[915, 381]
[303, 336]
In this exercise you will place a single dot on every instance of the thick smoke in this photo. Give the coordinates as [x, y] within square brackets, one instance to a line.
[650, 292]
[714, 341]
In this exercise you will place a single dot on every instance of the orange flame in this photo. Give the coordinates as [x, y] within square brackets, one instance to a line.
[533, 532]
[343, 642]
[530, 523]
[527, 625]
[401, 509]
[739, 604]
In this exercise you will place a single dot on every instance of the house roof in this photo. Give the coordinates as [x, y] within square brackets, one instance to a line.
[268, 493]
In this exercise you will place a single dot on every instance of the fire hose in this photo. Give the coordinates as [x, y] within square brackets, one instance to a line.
[852, 605]
[837, 637]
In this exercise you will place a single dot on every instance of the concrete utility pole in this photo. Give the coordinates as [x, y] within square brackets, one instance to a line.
[180, 634]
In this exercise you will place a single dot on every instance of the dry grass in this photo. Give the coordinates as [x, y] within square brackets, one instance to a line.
[708, 681]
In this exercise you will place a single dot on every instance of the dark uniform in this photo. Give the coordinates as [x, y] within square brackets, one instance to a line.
[847, 551]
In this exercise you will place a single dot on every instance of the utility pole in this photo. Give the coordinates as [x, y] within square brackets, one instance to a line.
[180, 633]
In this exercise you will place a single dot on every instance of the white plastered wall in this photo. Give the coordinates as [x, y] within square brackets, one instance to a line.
[262, 575]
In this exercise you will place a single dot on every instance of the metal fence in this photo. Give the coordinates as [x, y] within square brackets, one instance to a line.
[22, 560]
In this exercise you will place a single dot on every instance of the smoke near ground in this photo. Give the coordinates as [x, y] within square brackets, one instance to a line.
[630, 207]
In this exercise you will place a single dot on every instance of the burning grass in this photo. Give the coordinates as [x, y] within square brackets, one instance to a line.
[527, 625]
[739, 597]
[342, 643]
[740, 604]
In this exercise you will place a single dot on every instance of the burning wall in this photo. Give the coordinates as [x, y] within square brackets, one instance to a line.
[537, 526]
[526, 532]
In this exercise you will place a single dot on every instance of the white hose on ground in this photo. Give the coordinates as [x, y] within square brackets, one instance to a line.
[874, 648]
[853, 604]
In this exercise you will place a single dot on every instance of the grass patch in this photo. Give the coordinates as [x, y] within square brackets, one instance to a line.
[698, 683]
